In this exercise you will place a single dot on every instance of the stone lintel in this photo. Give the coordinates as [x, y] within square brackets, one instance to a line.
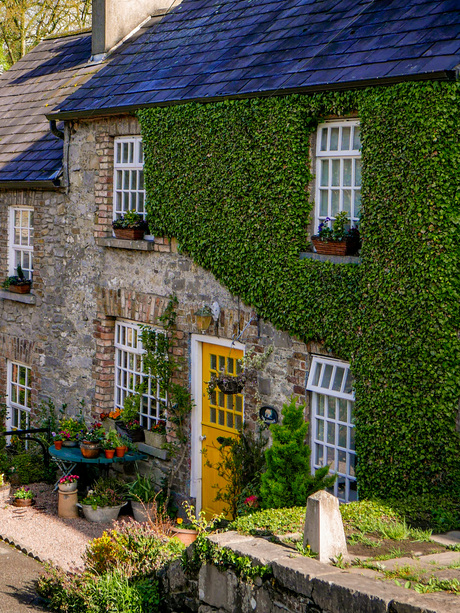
[119, 243]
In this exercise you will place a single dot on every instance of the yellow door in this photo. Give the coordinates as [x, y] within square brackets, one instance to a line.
[222, 416]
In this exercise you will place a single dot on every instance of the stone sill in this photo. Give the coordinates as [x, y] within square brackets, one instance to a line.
[24, 298]
[161, 454]
[335, 259]
[120, 243]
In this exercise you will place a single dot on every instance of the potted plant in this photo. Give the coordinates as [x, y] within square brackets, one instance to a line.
[17, 283]
[23, 497]
[337, 240]
[68, 483]
[5, 489]
[104, 501]
[142, 494]
[57, 437]
[110, 443]
[247, 368]
[128, 423]
[92, 440]
[129, 226]
[72, 429]
[156, 436]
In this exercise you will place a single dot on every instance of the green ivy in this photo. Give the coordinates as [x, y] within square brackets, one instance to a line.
[230, 181]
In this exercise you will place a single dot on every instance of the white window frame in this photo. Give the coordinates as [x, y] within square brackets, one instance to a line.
[331, 421]
[17, 409]
[18, 251]
[333, 159]
[129, 373]
[128, 176]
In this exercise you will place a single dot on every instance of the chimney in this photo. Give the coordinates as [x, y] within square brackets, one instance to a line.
[113, 20]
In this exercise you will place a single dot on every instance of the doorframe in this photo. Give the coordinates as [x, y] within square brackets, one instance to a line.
[196, 368]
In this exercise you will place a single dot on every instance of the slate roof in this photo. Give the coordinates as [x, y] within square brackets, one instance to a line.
[210, 49]
[35, 84]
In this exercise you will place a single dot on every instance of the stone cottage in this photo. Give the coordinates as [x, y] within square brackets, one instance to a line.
[76, 336]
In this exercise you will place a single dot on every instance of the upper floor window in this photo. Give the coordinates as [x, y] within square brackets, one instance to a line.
[129, 374]
[21, 240]
[338, 170]
[332, 424]
[128, 181]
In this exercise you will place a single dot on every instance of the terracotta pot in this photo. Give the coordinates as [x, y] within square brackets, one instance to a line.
[109, 453]
[23, 502]
[133, 234]
[58, 445]
[154, 439]
[347, 247]
[20, 289]
[185, 536]
[89, 450]
[120, 451]
[68, 487]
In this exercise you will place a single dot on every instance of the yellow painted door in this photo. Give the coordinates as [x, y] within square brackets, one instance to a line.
[222, 416]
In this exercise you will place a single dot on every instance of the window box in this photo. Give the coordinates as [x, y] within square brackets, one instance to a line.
[19, 289]
[153, 439]
[133, 234]
[349, 246]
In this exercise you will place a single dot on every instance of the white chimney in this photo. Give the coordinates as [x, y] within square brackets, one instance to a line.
[113, 20]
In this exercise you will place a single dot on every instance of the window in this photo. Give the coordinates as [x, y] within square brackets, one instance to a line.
[21, 240]
[129, 374]
[18, 392]
[128, 181]
[338, 170]
[333, 433]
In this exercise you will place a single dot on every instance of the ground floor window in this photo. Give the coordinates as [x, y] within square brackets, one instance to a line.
[18, 399]
[129, 374]
[333, 433]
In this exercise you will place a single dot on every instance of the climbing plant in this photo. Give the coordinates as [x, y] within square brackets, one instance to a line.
[230, 181]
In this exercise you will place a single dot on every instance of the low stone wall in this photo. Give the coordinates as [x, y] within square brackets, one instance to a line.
[298, 585]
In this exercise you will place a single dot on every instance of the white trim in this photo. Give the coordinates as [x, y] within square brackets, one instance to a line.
[135, 169]
[196, 361]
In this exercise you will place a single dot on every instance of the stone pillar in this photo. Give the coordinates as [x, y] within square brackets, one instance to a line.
[67, 504]
[323, 527]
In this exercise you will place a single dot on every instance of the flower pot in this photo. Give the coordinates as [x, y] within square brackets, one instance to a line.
[134, 435]
[133, 234]
[58, 445]
[230, 385]
[346, 247]
[5, 491]
[185, 536]
[142, 511]
[154, 439]
[89, 450]
[20, 289]
[120, 451]
[101, 514]
[67, 487]
[109, 453]
[23, 502]
[69, 443]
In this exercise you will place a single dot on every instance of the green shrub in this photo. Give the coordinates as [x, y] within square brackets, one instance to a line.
[287, 481]
[271, 521]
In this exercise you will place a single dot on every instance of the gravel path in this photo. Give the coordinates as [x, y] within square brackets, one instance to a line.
[41, 533]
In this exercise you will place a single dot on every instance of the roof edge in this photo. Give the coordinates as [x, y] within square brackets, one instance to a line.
[52, 185]
[67, 34]
[445, 75]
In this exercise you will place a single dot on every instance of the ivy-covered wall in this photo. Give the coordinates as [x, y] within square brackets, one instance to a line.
[231, 180]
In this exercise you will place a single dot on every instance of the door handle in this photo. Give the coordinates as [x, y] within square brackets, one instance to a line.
[202, 438]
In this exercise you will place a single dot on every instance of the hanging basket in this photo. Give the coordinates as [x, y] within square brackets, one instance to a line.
[230, 385]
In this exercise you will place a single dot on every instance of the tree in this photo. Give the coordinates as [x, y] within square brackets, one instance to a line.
[287, 481]
[24, 23]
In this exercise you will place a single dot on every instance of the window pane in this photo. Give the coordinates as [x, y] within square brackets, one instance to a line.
[330, 433]
[338, 378]
[319, 455]
[321, 403]
[330, 407]
[324, 139]
[335, 202]
[320, 430]
[334, 139]
[346, 205]
[317, 373]
[356, 137]
[335, 173]
[357, 204]
[327, 372]
[323, 203]
[357, 173]
[346, 138]
[347, 172]
[343, 413]
[324, 173]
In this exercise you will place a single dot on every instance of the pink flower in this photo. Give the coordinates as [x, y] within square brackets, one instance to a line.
[252, 501]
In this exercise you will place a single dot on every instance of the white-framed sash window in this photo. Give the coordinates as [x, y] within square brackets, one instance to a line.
[129, 374]
[128, 180]
[21, 240]
[18, 395]
[332, 427]
[338, 171]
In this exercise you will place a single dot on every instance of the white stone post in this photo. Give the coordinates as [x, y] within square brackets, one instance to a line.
[323, 527]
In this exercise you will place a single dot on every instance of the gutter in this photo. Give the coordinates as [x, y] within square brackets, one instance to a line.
[445, 75]
[45, 185]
